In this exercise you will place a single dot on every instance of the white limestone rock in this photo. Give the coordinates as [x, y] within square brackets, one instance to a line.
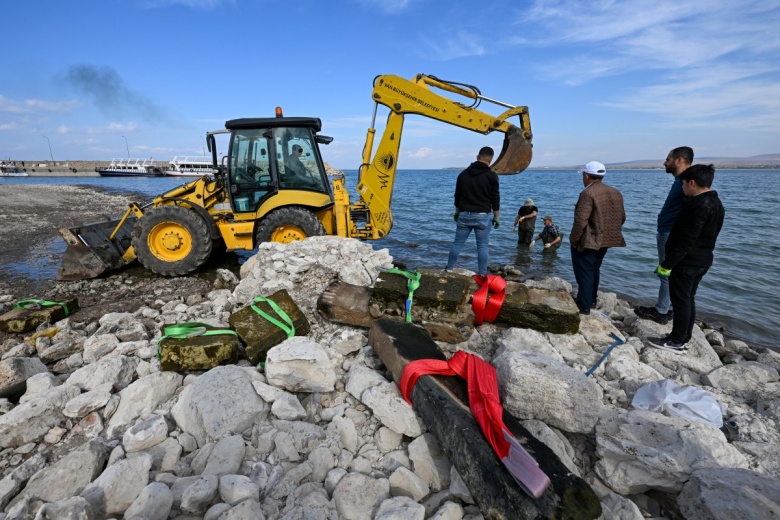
[288, 407]
[220, 402]
[237, 488]
[746, 380]
[32, 419]
[113, 370]
[38, 384]
[245, 510]
[118, 486]
[267, 392]
[14, 373]
[97, 346]
[360, 378]
[392, 410]
[145, 434]
[430, 462]
[74, 508]
[142, 397]
[300, 365]
[358, 496]
[69, 475]
[726, 493]
[404, 482]
[322, 461]
[200, 494]
[153, 503]
[641, 450]
[400, 508]
[534, 386]
[126, 326]
[226, 457]
[87, 402]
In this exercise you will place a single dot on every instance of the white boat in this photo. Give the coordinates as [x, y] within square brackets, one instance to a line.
[130, 168]
[190, 166]
[11, 170]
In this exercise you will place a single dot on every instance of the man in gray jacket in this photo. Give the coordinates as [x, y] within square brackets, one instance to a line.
[598, 221]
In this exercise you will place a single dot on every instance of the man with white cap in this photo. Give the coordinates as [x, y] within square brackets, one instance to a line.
[598, 220]
[526, 220]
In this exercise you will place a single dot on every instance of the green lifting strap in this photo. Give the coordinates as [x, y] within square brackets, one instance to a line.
[412, 283]
[287, 327]
[37, 304]
[190, 330]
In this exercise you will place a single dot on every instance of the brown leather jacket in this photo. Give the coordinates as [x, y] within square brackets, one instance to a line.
[598, 218]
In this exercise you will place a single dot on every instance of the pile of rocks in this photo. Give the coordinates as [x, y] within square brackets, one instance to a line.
[92, 428]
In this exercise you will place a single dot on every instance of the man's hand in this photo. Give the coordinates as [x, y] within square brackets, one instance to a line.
[662, 273]
[532, 244]
[547, 245]
[455, 216]
[496, 223]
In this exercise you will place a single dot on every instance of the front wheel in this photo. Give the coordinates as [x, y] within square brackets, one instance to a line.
[286, 225]
[172, 240]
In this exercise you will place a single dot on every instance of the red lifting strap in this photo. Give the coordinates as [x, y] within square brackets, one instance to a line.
[484, 305]
[486, 406]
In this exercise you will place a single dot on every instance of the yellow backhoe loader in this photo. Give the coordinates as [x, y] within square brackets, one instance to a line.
[272, 185]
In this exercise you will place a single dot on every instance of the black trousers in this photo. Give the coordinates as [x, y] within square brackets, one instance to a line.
[683, 283]
[587, 271]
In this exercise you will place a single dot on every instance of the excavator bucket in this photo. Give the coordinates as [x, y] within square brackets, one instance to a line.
[92, 250]
[515, 155]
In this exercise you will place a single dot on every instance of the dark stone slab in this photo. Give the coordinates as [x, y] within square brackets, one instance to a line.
[439, 290]
[198, 352]
[27, 319]
[539, 309]
[346, 304]
[259, 334]
[442, 403]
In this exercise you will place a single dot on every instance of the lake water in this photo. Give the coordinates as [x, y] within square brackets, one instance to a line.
[737, 293]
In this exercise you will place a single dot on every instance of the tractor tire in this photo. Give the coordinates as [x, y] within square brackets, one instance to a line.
[172, 240]
[288, 224]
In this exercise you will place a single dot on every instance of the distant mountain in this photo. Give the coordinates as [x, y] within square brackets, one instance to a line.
[770, 160]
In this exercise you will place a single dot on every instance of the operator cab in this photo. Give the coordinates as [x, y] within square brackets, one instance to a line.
[271, 154]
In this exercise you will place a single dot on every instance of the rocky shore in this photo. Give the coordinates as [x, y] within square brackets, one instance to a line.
[91, 427]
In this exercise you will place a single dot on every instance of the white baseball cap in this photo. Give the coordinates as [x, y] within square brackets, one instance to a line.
[594, 168]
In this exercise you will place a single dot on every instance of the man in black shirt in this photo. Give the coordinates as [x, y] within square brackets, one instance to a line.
[689, 252]
[477, 203]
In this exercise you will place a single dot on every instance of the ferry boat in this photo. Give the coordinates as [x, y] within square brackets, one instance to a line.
[189, 166]
[11, 170]
[130, 168]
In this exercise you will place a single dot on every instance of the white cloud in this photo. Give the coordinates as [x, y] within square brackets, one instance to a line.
[34, 106]
[696, 63]
[388, 6]
[452, 46]
[202, 5]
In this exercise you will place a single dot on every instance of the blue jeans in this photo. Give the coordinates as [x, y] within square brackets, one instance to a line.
[683, 282]
[587, 270]
[480, 223]
[664, 303]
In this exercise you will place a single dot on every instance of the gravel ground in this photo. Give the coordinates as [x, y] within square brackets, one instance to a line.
[29, 218]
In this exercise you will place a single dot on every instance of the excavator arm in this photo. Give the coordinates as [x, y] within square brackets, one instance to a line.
[402, 96]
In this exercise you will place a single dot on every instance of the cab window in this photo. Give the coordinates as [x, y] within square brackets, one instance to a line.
[296, 160]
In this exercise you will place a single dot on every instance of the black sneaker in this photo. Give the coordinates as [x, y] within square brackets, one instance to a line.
[649, 313]
[667, 344]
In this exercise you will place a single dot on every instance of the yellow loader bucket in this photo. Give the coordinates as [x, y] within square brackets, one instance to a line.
[516, 153]
[96, 248]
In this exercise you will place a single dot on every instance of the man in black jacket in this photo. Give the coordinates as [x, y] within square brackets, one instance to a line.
[689, 252]
[477, 201]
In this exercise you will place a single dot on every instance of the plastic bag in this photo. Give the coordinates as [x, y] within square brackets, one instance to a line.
[690, 402]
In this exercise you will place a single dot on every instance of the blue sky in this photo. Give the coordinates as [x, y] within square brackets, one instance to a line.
[604, 80]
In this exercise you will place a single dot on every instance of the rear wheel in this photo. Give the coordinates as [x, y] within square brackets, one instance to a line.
[172, 240]
[286, 225]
